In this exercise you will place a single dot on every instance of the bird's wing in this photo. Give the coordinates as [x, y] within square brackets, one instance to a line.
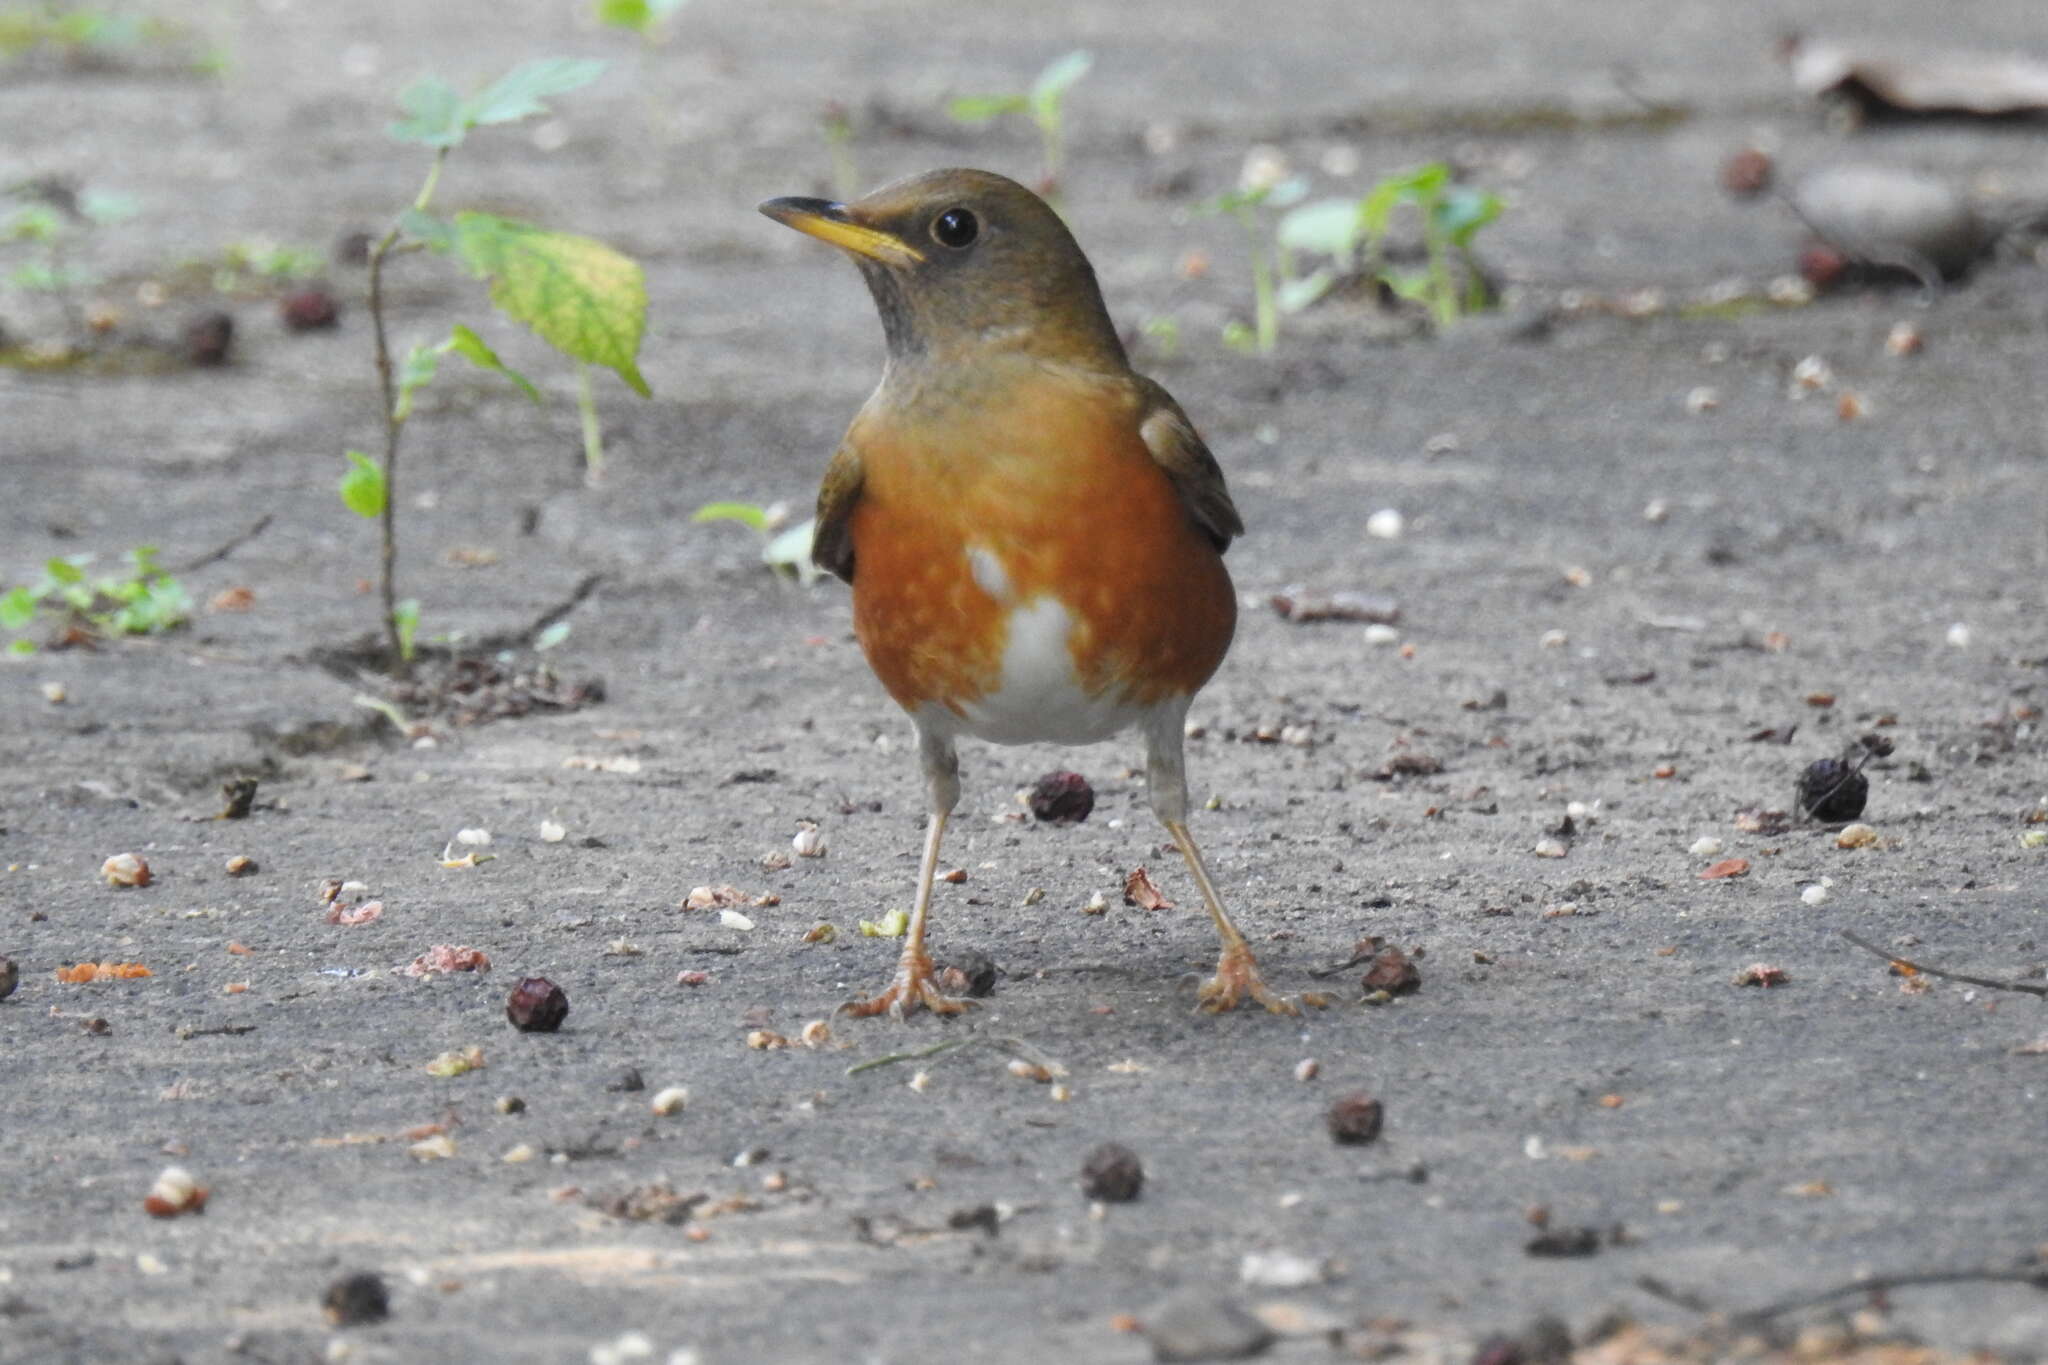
[832, 541]
[1196, 476]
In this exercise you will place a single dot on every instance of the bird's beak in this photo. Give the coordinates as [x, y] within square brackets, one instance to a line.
[830, 222]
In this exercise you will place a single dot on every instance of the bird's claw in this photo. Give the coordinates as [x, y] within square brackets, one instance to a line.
[915, 985]
[1237, 976]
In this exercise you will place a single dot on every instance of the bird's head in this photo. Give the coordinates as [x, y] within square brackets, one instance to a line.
[963, 262]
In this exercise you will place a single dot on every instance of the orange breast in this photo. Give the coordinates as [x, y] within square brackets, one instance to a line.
[1054, 484]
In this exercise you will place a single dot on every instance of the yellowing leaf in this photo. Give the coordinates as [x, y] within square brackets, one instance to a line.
[579, 295]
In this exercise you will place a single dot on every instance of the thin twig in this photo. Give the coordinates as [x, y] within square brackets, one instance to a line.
[222, 551]
[1671, 1293]
[532, 632]
[1884, 1284]
[2036, 1276]
[2023, 987]
[894, 1057]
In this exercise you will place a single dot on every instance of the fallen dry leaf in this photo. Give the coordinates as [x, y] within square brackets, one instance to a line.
[447, 957]
[1727, 867]
[342, 913]
[1140, 890]
[1762, 974]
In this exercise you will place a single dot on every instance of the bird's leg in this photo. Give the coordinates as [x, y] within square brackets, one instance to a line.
[915, 982]
[1237, 975]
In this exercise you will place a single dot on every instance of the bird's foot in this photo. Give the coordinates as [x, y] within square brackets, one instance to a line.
[916, 984]
[1237, 976]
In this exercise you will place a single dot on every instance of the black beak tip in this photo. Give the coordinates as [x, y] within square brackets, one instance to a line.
[797, 206]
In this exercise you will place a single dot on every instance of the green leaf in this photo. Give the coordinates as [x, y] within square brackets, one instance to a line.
[1413, 285]
[1239, 337]
[406, 616]
[582, 297]
[362, 488]
[1295, 295]
[1328, 227]
[433, 233]
[1464, 211]
[552, 636]
[103, 208]
[522, 92]
[471, 347]
[1053, 83]
[67, 568]
[1290, 191]
[983, 108]
[23, 646]
[628, 14]
[17, 608]
[433, 114]
[747, 512]
[422, 363]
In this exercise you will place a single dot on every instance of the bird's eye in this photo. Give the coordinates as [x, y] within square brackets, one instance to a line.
[956, 228]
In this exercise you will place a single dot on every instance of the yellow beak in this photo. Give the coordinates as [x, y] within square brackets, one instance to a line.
[830, 222]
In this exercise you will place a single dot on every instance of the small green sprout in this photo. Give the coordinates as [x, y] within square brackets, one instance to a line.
[1449, 284]
[1247, 205]
[144, 599]
[836, 123]
[785, 549]
[1045, 102]
[646, 18]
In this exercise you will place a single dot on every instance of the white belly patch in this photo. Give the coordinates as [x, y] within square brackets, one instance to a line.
[1039, 698]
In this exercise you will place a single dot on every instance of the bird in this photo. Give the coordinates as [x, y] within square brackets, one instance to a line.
[1033, 532]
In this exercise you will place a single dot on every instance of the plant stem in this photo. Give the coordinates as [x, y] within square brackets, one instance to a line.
[1443, 296]
[593, 431]
[1265, 309]
[394, 427]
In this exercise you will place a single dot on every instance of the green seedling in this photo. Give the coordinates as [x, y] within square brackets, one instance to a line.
[582, 297]
[54, 225]
[1449, 284]
[836, 123]
[82, 35]
[257, 266]
[785, 549]
[646, 18]
[1249, 206]
[1045, 102]
[143, 599]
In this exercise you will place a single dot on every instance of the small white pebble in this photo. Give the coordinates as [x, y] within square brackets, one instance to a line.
[519, 1155]
[809, 842]
[475, 838]
[150, 1264]
[1059, 1092]
[1380, 633]
[1656, 510]
[1549, 848]
[733, 919]
[1810, 375]
[1789, 291]
[919, 1081]
[54, 693]
[1386, 524]
[1705, 398]
[1306, 1069]
[552, 833]
[670, 1101]
[1554, 639]
[1534, 1148]
[1813, 895]
[1959, 635]
[1706, 847]
[1097, 903]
